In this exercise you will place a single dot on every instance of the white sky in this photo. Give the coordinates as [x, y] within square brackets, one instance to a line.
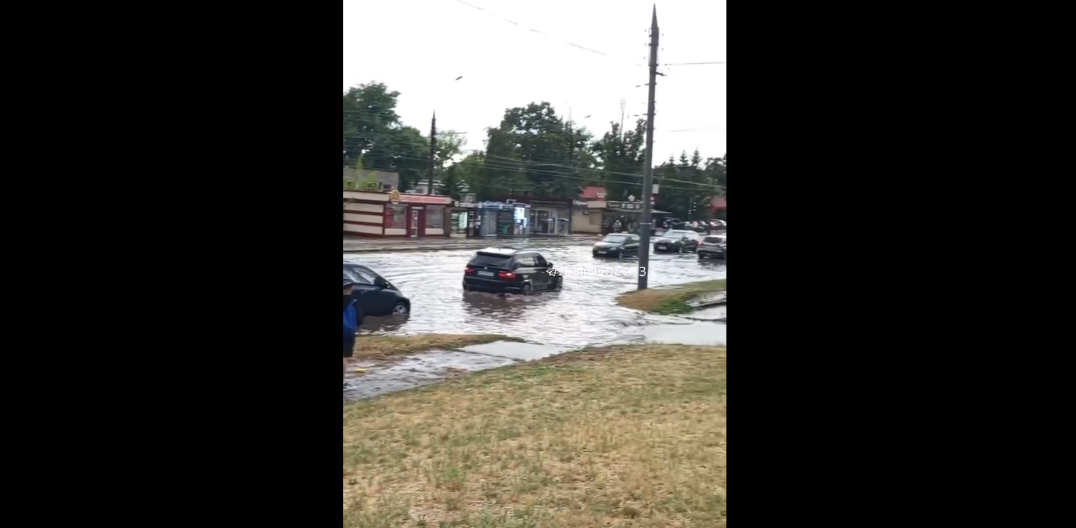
[418, 48]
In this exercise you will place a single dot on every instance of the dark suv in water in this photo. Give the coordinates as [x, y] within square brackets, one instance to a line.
[374, 294]
[508, 270]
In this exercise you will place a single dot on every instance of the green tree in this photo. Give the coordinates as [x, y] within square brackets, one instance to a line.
[532, 150]
[374, 133]
[620, 158]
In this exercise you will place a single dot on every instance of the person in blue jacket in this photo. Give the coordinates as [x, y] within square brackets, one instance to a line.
[352, 320]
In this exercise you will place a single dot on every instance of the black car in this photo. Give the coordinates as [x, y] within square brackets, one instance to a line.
[375, 295]
[677, 241]
[712, 247]
[508, 270]
[617, 245]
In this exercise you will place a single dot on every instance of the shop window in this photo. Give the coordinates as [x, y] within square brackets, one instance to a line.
[398, 219]
[435, 218]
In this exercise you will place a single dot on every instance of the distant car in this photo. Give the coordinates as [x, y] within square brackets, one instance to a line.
[712, 247]
[677, 241]
[617, 245]
[374, 294]
[508, 270]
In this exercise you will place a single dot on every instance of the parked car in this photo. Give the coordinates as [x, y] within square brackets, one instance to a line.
[617, 245]
[677, 241]
[374, 294]
[712, 247]
[509, 270]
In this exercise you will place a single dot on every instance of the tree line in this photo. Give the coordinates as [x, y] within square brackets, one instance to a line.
[532, 152]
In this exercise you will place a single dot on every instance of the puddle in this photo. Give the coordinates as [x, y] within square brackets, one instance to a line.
[415, 371]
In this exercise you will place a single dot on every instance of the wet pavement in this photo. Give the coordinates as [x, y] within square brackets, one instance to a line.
[415, 371]
[584, 313]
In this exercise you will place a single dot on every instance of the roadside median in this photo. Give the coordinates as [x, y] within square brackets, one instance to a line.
[676, 299]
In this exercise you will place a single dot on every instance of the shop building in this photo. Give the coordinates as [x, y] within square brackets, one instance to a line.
[383, 214]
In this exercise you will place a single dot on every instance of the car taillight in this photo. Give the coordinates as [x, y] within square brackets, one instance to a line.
[468, 271]
[506, 275]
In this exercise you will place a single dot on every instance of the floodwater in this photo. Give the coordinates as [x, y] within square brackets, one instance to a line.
[583, 313]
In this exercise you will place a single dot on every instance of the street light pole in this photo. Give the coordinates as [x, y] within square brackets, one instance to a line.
[433, 147]
[648, 174]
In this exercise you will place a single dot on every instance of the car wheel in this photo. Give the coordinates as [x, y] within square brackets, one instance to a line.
[400, 309]
[527, 290]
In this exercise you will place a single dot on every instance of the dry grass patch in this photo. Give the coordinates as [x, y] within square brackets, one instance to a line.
[669, 299]
[623, 436]
[377, 347]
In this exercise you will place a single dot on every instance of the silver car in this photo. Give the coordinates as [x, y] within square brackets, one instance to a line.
[712, 246]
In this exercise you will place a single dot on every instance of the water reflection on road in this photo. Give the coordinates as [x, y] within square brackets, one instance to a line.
[583, 313]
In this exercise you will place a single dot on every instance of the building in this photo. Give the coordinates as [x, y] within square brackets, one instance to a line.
[716, 209]
[423, 187]
[371, 180]
[593, 214]
[587, 218]
[383, 214]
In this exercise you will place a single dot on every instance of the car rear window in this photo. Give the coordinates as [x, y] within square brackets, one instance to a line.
[713, 240]
[490, 260]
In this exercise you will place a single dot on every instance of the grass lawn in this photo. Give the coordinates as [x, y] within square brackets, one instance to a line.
[623, 436]
[378, 347]
[669, 299]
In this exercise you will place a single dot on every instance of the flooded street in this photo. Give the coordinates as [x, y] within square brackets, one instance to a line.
[584, 313]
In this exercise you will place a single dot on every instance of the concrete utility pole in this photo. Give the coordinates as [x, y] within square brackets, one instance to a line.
[648, 175]
[433, 150]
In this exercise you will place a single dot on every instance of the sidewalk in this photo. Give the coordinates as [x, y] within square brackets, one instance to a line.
[365, 245]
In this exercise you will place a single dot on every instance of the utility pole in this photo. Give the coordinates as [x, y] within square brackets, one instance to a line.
[574, 184]
[648, 174]
[622, 103]
[433, 150]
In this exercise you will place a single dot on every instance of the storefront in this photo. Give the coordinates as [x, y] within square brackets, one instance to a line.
[549, 218]
[501, 219]
[462, 220]
[376, 214]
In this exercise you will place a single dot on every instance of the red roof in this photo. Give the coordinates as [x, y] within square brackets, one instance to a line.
[593, 193]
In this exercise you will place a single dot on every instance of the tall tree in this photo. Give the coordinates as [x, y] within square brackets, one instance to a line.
[620, 159]
[528, 153]
[372, 130]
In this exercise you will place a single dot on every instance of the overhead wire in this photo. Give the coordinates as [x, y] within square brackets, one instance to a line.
[573, 176]
[544, 34]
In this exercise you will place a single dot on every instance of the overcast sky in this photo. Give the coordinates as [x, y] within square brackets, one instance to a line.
[418, 47]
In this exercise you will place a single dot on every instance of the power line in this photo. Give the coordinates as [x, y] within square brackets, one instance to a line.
[571, 176]
[532, 30]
